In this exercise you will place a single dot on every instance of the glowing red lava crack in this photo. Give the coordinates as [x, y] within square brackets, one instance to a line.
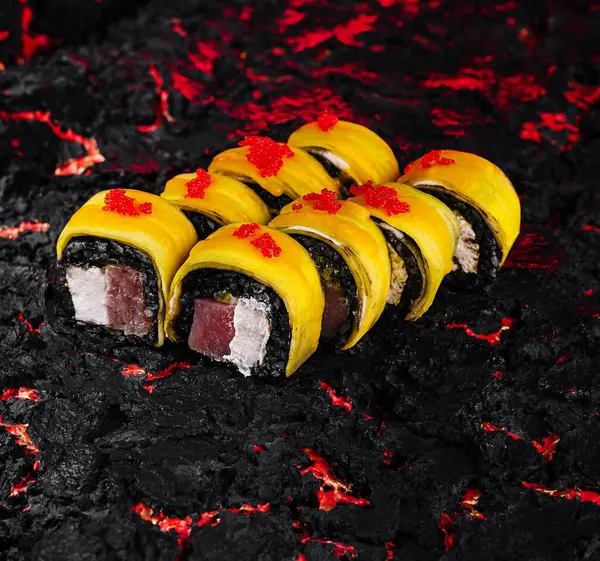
[492, 338]
[547, 448]
[183, 526]
[22, 439]
[21, 393]
[339, 549]
[470, 500]
[569, 494]
[32, 43]
[135, 370]
[446, 525]
[332, 491]
[338, 400]
[162, 107]
[74, 166]
[12, 233]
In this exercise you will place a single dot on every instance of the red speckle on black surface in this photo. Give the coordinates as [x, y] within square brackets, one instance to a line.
[337, 400]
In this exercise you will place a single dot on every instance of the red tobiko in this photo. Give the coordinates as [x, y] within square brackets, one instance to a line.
[266, 154]
[267, 246]
[381, 197]
[327, 121]
[325, 200]
[117, 201]
[246, 230]
[433, 158]
[297, 206]
[197, 185]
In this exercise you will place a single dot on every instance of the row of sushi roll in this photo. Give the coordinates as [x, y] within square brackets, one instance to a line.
[280, 246]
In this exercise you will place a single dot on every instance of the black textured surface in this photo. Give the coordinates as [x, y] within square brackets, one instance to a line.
[516, 82]
[208, 283]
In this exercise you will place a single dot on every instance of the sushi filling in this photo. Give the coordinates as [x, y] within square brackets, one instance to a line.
[339, 289]
[111, 296]
[203, 224]
[236, 331]
[109, 284]
[334, 166]
[233, 318]
[477, 252]
[407, 283]
[466, 257]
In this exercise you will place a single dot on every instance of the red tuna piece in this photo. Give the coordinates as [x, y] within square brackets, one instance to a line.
[212, 329]
[336, 311]
[125, 300]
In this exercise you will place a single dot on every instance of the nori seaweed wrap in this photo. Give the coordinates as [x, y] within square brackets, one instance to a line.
[422, 234]
[117, 256]
[250, 296]
[484, 201]
[351, 153]
[277, 172]
[351, 254]
[211, 200]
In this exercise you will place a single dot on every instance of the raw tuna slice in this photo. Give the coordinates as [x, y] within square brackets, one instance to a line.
[213, 328]
[336, 311]
[125, 300]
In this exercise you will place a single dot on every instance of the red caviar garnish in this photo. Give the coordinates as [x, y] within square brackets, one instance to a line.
[325, 200]
[327, 121]
[197, 185]
[381, 197]
[266, 154]
[246, 230]
[430, 159]
[267, 246]
[297, 206]
[117, 201]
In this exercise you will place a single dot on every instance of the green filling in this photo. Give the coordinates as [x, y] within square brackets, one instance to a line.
[331, 274]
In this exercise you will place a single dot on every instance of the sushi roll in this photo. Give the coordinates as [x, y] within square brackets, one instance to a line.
[351, 153]
[250, 296]
[211, 200]
[117, 256]
[351, 255]
[484, 202]
[422, 235]
[276, 172]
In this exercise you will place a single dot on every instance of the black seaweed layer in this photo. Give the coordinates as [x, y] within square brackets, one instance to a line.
[346, 181]
[489, 251]
[318, 248]
[203, 224]
[274, 203]
[90, 251]
[410, 253]
[208, 283]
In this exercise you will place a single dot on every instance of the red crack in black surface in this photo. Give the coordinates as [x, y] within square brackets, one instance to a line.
[74, 166]
[333, 491]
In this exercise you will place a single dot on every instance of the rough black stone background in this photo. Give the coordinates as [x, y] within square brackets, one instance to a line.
[516, 82]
